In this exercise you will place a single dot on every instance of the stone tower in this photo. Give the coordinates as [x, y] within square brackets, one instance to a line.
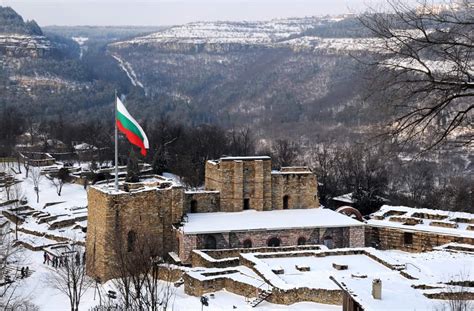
[119, 220]
[243, 182]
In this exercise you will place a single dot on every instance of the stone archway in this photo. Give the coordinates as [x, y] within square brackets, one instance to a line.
[351, 212]
[274, 242]
[210, 242]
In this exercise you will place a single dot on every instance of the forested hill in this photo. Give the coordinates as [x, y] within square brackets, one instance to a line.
[286, 77]
[12, 23]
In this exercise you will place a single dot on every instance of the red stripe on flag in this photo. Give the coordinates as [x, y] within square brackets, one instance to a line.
[132, 138]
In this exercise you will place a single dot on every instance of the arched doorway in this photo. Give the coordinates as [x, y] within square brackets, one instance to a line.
[247, 243]
[210, 242]
[194, 206]
[301, 240]
[286, 202]
[274, 242]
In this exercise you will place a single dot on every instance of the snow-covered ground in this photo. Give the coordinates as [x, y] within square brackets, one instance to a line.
[38, 290]
[431, 268]
[274, 33]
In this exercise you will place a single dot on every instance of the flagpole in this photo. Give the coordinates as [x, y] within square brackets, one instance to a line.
[116, 143]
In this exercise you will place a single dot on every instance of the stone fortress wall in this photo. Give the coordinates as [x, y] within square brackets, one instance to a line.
[338, 237]
[151, 212]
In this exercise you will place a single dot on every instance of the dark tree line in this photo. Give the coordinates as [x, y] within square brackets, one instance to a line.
[379, 175]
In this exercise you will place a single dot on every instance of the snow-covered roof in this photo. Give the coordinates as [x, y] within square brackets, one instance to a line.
[346, 198]
[245, 158]
[84, 146]
[423, 219]
[293, 170]
[266, 220]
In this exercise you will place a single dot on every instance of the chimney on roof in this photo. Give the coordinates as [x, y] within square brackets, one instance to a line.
[377, 289]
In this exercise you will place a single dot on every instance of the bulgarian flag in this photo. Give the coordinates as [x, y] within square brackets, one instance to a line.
[130, 127]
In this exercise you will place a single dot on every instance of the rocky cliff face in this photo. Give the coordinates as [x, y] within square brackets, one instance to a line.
[19, 45]
[19, 38]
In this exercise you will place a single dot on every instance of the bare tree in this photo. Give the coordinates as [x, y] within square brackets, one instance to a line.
[242, 142]
[325, 168]
[138, 275]
[71, 279]
[59, 179]
[36, 177]
[18, 195]
[457, 296]
[11, 258]
[285, 153]
[425, 70]
[26, 165]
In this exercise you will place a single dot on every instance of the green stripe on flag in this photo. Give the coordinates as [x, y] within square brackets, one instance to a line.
[129, 125]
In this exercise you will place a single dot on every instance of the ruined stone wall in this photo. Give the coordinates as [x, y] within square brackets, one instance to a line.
[212, 179]
[357, 236]
[100, 220]
[197, 287]
[392, 238]
[148, 214]
[205, 202]
[300, 188]
[340, 237]
[226, 258]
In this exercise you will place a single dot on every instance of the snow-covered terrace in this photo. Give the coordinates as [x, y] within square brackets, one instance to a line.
[200, 223]
[148, 183]
[431, 270]
[436, 221]
[407, 279]
[397, 293]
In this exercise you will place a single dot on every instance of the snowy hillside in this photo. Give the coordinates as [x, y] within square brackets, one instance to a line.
[291, 33]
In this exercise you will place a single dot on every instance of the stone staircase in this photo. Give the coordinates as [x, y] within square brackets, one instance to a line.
[262, 296]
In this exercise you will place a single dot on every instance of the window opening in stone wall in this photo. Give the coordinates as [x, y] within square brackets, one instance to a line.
[194, 206]
[131, 239]
[274, 242]
[210, 242]
[246, 204]
[247, 243]
[328, 242]
[301, 240]
[286, 202]
[408, 238]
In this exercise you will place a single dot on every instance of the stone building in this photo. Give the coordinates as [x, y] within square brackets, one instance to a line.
[249, 183]
[418, 230]
[243, 204]
[276, 228]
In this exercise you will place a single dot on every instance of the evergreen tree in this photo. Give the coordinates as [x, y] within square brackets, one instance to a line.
[133, 170]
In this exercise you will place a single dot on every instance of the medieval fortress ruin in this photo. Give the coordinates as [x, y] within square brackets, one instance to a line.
[261, 233]
[244, 204]
[250, 230]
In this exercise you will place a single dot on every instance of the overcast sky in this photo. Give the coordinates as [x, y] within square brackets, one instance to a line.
[172, 12]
